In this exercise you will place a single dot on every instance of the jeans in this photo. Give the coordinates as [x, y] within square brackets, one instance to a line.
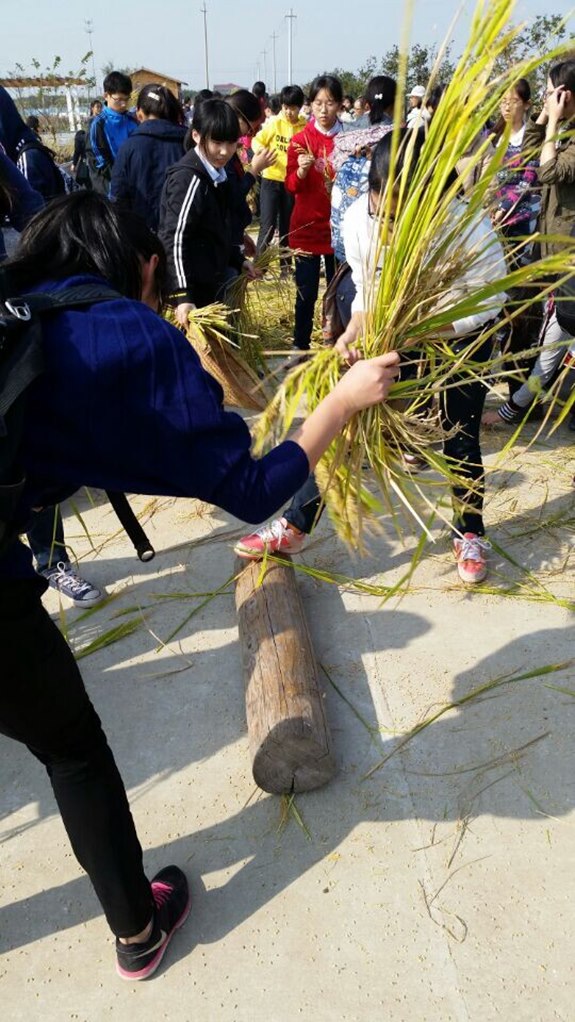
[276, 205]
[43, 703]
[461, 405]
[46, 538]
[554, 345]
[307, 271]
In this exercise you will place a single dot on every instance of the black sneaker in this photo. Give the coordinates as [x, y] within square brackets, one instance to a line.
[173, 903]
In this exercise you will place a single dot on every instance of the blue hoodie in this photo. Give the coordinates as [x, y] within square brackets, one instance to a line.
[125, 405]
[36, 164]
[141, 165]
[117, 128]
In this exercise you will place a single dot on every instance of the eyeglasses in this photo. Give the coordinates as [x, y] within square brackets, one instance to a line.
[374, 214]
[324, 103]
[120, 99]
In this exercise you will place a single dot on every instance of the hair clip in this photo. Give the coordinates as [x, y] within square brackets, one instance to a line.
[154, 95]
[378, 95]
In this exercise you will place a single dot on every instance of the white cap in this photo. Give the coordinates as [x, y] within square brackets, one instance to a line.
[417, 91]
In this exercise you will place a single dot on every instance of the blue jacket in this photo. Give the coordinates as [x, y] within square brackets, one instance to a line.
[141, 165]
[116, 129]
[125, 405]
[24, 201]
[36, 164]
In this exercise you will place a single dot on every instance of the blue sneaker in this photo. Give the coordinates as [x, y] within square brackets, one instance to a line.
[72, 585]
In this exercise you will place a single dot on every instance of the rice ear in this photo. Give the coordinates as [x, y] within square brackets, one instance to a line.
[413, 303]
[221, 359]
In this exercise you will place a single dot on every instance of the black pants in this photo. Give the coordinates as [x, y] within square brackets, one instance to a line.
[461, 405]
[43, 703]
[307, 271]
[276, 205]
[46, 538]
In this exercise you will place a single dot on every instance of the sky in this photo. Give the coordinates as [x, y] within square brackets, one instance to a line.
[169, 37]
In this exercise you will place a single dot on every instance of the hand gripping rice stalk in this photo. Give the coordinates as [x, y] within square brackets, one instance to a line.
[208, 334]
[417, 296]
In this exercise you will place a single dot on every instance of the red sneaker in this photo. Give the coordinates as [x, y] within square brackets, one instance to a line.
[279, 537]
[469, 553]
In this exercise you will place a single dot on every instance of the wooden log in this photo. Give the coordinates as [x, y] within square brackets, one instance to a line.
[289, 738]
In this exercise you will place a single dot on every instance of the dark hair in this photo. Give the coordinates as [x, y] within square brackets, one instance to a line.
[157, 101]
[259, 89]
[380, 95]
[381, 158]
[349, 98]
[564, 74]
[93, 104]
[33, 122]
[433, 97]
[85, 233]
[214, 119]
[292, 95]
[117, 81]
[274, 103]
[246, 105]
[328, 82]
[523, 89]
[202, 95]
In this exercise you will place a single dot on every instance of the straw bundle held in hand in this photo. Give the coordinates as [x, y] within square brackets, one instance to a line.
[257, 305]
[431, 244]
[221, 358]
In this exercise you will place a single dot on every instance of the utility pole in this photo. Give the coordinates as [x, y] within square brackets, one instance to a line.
[274, 37]
[264, 54]
[204, 11]
[290, 18]
[89, 30]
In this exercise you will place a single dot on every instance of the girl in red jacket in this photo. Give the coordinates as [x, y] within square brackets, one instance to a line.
[310, 176]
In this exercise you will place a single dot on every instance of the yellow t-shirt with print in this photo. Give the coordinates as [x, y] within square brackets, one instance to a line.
[277, 135]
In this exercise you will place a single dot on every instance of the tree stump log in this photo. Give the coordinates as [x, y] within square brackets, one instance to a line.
[289, 738]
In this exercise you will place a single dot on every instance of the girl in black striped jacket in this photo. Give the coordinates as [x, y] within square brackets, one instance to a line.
[195, 226]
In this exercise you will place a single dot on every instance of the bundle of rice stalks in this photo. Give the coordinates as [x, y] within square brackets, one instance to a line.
[207, 332]
[423, 250]
[263, 308]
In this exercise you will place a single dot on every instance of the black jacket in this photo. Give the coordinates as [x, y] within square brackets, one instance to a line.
[140, 167]
[195, 229]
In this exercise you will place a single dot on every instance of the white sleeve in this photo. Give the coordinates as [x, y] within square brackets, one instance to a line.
[354, 254]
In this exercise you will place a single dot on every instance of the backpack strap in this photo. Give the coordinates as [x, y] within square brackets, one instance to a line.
[20, 364]
[68, 297]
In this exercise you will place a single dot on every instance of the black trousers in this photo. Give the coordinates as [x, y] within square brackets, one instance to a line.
[307, 273]
[276, 205]
[43, 703]
[461, 407]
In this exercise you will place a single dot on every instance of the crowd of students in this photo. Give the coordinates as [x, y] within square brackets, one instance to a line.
[175, 229]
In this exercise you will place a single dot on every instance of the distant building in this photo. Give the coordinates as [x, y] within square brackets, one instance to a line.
[145, 76]
[227, 88]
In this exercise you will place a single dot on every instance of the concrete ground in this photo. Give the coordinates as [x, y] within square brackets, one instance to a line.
[440, 888]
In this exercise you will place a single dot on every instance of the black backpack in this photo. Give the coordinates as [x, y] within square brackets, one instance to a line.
[21, 362]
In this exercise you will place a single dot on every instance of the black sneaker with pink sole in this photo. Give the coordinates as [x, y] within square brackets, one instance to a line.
[172, 903]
